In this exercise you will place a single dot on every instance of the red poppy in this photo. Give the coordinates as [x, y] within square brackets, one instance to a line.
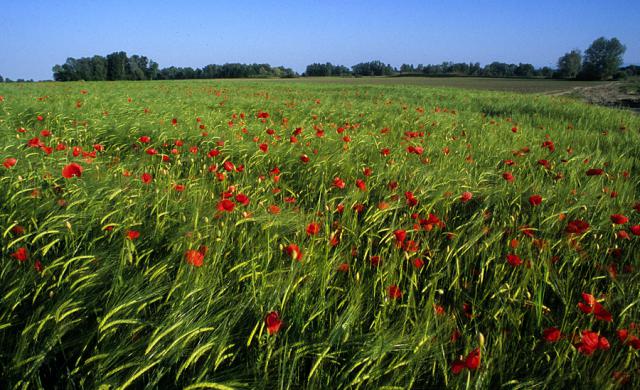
[313, 228]
[535, 200]
[228, 166]
[471, 362]
[400, 235]
[544, 163]
[591, 341]
[226, 205]
[595, 172]
[418, 263]
[179, 187]
[394, 292]
[293, 251]
[411, 200]
[514, 260]
[304, 158]
[552, 334]
[38, 266]
[72, 170]
[20, 254]
[375, 261]
[146, 178]
[577, 226]
[242, 199]
[174, 121]
[466, 196]
[619, 219]
[151, 152]
[194, 257]
[263, 115]
[264, 147]
[508, 176]
[273, 322]
[144, 139]
[361, 184]
[9, 162]
[635, 229]
[591, 305]
[133, 235]
[338, 183]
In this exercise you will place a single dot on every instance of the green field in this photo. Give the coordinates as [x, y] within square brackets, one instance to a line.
[308, 234]
[475, 83]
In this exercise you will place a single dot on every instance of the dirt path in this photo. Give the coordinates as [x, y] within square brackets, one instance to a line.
[612, 94]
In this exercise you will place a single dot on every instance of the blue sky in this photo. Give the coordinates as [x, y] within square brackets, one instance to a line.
[35, 35]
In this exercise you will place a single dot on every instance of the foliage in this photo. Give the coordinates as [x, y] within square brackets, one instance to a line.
[602, 59]
[570, 64]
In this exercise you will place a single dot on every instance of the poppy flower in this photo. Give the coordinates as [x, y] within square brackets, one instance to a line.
[508, 176]
[552, 334]
[635, 230]
[361, 184]
[394, 292]
[471, 362]
[591, 341]
[228, 166]
[151, 152]
[595, 172]
[619, 219]
[375, 261]
[400, 236]
[9, 162]
[273, 209]
[72, 170]
[304, 158]
[293, 251]
[194, 257]
[411, 200]
[313, 228]
[343, 267]
[418, 263]
[264, 148]
[591, 305]
[338, 183]
[577, 226]
[133, 235]
[466, 196]
[273, 322]
[242, 199]
[144, 139]
[535, 200]
[226, 205]
[514, 260]
[20, 254]
[179, 187]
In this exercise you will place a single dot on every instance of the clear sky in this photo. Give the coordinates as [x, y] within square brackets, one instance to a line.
[37, 34]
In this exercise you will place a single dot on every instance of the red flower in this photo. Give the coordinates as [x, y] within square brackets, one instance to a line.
[338, 183]
[144, 139]
[635, 229]
[591, 341]
[228, 166]
[577, 227]
[535, 200]
[72, 170]
[411, 200]
[273, 322]
[133, 235]
[226, 205]
[313, 228]
[293, 251]
[514, 260]
[591, 305]
[20, 254]
[394, 292]
[471, 362]
[242, 199]
[304, 158]
[595, 172]
[263, 115]
[400, 235]
[264, 147]
[194, 257]
[418, 263]
[375, 261]
[551, 335]
[466, 196]
[179, 187]
[508, 176]
[9, 162]
[619, 219]
[361, 185]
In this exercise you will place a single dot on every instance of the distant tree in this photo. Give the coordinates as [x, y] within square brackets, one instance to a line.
[1, 79]
[546, 72]
[525, 70]
[99, 65]
[372, 68]
[602, 59]
[116, 63]
[407, 68]
[570, 64]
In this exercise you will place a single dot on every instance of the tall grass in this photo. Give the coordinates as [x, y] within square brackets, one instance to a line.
[106, 310]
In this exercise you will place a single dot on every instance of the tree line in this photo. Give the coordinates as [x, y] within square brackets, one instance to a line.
[119, 66]
[602, 60]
